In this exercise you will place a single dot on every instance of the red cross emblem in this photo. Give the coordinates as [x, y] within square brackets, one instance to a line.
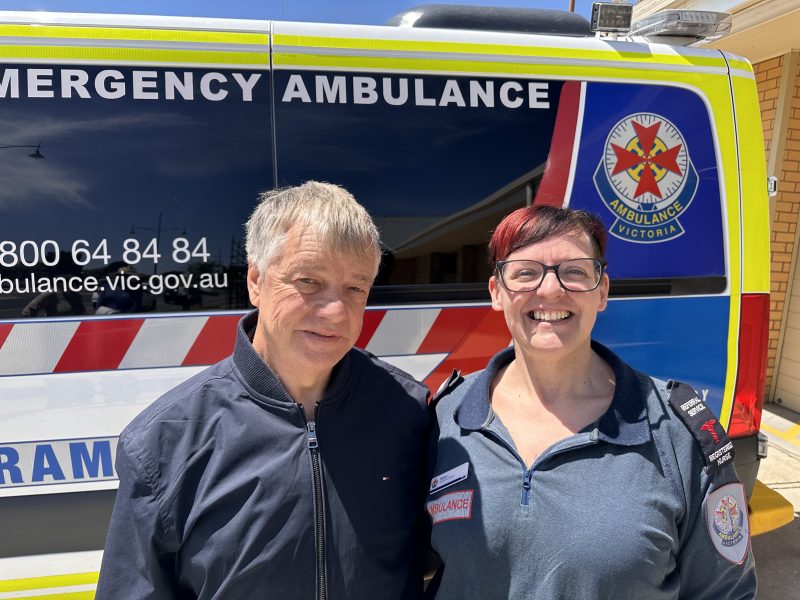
[629, 159]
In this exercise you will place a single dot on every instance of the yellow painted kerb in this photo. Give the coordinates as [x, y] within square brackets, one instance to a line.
[791, 435]
[768, 510]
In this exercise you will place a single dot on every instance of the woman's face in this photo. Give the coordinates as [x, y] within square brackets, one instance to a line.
[551, 319]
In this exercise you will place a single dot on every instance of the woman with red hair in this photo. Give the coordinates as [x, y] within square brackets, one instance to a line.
[559, 471]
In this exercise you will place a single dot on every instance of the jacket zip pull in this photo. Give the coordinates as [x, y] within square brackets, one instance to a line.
[311, 430]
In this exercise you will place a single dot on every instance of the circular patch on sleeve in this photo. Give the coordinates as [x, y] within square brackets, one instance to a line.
[728, 525]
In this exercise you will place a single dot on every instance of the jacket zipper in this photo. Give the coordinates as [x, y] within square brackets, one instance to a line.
[319, 505]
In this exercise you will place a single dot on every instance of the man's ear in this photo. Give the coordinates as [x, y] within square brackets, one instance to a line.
[253, 284]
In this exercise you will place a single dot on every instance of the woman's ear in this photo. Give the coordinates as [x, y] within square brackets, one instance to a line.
[604, 285]
[494, 292]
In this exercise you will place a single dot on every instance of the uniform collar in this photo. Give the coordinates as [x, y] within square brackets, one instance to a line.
[260, 378]
[624, 423]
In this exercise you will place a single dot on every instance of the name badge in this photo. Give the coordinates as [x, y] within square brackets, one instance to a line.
[450, 477]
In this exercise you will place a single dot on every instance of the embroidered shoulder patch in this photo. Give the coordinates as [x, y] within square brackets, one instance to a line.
[728, 525]
[455, 505]
[714, 444]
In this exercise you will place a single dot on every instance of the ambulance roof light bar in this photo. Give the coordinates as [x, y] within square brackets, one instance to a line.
[694, 24]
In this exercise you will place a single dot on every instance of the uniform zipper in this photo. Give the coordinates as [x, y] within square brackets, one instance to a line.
[527, 473]
[319, 505]
[526, 486]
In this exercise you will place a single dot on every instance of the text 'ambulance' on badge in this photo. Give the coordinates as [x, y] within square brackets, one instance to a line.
[726, 515]
[455, 505]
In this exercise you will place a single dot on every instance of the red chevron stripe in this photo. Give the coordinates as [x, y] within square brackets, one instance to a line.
[5, 329]
[450, 327]
[99, 345]
[214, 342]
[372, 318]
[472, 353]
[102, 344]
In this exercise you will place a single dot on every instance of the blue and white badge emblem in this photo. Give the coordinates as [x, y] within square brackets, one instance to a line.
[726, 514]
[646, 179]
[448, 478]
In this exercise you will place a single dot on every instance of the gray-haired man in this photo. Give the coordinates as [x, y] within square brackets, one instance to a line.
[293, 468]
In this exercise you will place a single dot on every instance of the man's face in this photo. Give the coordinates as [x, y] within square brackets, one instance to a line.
[310, 305]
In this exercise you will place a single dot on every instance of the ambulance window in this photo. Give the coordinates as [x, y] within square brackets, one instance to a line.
[437, 160]
[138, 202]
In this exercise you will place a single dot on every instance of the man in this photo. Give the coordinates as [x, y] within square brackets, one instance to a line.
[293, 468]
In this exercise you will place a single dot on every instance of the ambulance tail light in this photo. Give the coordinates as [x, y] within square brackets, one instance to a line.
[698, 24]
[748, 398]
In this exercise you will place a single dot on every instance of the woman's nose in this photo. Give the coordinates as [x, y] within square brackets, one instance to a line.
[550, 285]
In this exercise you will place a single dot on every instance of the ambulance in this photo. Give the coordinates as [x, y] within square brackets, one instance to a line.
[133, 148]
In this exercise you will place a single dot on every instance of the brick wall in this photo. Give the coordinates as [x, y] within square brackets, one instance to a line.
[787, 206]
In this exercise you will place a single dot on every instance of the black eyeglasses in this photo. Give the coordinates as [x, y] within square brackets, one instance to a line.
[574, 275]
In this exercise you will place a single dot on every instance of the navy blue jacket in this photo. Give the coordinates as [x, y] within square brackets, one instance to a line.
[216, 496]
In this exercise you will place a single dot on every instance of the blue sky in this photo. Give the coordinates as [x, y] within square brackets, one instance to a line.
[327, 11]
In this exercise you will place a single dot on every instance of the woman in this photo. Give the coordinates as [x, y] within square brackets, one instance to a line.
[561, 472]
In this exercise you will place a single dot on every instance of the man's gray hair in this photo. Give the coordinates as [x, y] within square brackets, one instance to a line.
[341, 223]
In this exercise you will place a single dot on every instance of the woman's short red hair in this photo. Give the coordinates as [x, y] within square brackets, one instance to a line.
[533, 224]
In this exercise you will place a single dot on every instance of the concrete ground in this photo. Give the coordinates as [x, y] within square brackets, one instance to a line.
[778, 553]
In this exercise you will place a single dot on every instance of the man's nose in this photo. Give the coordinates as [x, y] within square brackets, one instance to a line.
[332, 306]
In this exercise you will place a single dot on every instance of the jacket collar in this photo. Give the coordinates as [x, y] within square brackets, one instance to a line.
[624, 423]
[261, 379]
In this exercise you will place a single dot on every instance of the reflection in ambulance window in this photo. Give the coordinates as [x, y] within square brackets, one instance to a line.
[59, 299]
[436, 177]
[136, 207]
[451, 249]
[124, 297]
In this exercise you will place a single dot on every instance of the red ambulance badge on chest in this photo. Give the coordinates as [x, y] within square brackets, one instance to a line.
[646, 178]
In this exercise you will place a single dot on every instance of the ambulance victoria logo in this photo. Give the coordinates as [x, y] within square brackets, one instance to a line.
[646, 179]
[728, 527]
[728, 520]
